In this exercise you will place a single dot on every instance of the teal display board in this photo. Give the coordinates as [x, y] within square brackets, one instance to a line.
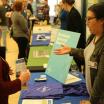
[58, 65]
[38, 56]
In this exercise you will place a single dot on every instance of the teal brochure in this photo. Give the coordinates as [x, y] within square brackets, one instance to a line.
[58, 65]
[38, 56]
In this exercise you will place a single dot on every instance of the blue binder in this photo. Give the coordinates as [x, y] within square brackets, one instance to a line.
[40, 39]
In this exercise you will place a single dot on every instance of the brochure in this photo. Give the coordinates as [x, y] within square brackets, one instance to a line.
[21, 67]
[37, 101]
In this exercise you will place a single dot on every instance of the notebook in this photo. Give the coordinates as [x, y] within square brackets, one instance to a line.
[58, 65]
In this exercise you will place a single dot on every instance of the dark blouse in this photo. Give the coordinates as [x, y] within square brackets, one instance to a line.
[71, 21]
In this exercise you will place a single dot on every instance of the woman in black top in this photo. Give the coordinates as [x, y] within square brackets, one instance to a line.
[71, 21]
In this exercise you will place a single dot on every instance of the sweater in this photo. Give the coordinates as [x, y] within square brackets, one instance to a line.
[7, 87]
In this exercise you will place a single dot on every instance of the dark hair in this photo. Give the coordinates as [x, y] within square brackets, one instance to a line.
[98, 10]
[70, 2]
[17, 6]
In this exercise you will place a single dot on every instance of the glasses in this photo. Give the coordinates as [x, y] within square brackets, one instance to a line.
[89, 18]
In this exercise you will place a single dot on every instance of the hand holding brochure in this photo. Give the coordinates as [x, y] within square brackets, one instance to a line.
[20, 68]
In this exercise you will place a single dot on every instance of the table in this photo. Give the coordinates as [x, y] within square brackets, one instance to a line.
[66, 99]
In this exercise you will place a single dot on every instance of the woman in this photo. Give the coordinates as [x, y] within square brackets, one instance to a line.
[8, 87]
[71, 21]
[20, 29]
[93, 53]
[4, 21]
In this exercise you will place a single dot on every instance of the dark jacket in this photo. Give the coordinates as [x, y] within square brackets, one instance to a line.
[7, 87]
[97, 74]
[71, 21]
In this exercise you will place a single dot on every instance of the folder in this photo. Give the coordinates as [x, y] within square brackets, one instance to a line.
[58, 65]
[38, 58]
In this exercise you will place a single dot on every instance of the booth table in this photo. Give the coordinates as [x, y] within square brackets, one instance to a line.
[65, 99]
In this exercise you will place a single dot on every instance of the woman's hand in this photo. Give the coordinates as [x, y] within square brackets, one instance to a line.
[64, 50]
[24, 76]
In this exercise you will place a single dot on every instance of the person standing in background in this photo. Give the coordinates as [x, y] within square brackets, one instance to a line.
[57, 13]
[4, 21]
[29, 6]
[71, 21]
[24, 8]
[46, 11]
[20, 29]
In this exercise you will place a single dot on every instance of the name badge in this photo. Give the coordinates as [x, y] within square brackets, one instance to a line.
[92, 64]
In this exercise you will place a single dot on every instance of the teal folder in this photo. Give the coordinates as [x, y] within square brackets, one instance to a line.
[58, 65]
[38, 56]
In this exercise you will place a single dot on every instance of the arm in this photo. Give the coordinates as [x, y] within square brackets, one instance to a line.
[8, 87]
[98, 86]
[78, 53]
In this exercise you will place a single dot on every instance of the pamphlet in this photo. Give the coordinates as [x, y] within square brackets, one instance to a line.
[20, 67]
[37, 101]
[71, 79]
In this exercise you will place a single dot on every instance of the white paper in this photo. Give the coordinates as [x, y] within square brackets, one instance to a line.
[37, 101]
[71, 79]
